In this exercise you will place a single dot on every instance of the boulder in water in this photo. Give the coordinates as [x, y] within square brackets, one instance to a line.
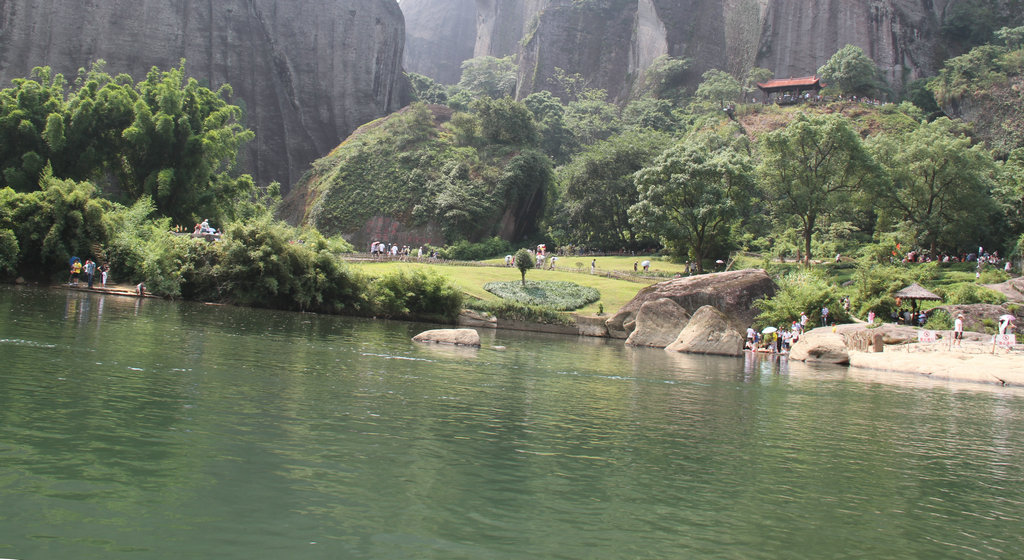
[658, 323]
[821, 345]
[709, 331]
[458, 337]
[732, 293]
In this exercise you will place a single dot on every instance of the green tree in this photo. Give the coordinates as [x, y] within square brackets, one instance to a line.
[940, 188]
[1013, 38]
[1009, 195]
[487, 76]
[25, 113]
[647, 112]
[851, 71]
[51, 225]
[524, 262]
[505, 121]
[692, 193]
[810, 168]
[181, 146]
[549, 114]
[666, 77]
[427, 89]
[597, 189]
[167, 138]
[718, 86]
[591, 118]
[756, 76]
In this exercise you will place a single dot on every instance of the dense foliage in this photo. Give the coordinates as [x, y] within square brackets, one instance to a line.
[464, 174]
[166, 137]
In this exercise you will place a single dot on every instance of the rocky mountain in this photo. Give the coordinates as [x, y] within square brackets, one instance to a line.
[611, 42]
[305, 73]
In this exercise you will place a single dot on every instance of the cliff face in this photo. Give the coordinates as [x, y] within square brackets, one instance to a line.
[439, 35]
[305, 73]
[611, 42]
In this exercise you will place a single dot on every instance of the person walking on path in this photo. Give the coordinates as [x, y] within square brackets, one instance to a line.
[958, 330]
[593, 265]
[824, 316]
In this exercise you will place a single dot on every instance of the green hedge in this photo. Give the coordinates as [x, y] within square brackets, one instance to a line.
[560, 296]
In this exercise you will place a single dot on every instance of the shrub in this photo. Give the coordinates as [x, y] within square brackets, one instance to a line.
[416, 294]
[466, 251]
[802, 291]
[965, 293]
[561, 296]
[994, 276]
[8, 252]
[939, 321]
[514, 311]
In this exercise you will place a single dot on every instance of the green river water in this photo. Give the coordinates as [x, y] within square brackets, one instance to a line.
[150, 429]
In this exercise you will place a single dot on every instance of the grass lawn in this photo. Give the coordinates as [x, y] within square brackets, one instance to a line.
[471, 279]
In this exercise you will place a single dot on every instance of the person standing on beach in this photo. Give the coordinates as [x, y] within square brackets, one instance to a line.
[958, 330]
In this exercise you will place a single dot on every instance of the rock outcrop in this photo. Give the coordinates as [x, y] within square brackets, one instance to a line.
[709, 331]
[821, 345]
[305, 73]
[458, 337]
[658, 323]
[733, 293]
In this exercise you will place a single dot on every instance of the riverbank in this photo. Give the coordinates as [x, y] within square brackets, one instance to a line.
[975, 362]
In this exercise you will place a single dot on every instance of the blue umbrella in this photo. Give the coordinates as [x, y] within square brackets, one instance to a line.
[74, 260]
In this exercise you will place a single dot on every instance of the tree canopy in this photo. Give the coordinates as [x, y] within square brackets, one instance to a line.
[166, 137]
[810, 169]
[692, 193]
[851, 71]
[940, 185]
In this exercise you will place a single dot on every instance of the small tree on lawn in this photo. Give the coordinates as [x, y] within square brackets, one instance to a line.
[524, 262]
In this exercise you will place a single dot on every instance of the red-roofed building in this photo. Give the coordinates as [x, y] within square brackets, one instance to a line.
[793, 86]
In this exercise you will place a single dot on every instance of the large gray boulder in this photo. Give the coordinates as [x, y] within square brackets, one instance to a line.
[658, 323]
[732, 293]
[821, 345]
[306, 73]
[709, 331]
[458, 337]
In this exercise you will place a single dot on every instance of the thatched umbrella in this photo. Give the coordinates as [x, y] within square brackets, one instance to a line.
[915, 292]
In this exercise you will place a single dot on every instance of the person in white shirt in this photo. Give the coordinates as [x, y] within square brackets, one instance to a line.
[958, 330]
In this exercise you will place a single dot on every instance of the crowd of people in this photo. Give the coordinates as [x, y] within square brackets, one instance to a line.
[88, 269]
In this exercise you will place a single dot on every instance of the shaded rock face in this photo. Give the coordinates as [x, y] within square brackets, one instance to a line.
[305, 73]
[439, 35]
[733, 293]
[821, 345]
[457, 337]
[611, 42]
[709, 331]
[658, 323]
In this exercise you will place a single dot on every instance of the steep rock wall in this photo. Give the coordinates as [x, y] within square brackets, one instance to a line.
[306, 73]
[611, 42]
[439, 35]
